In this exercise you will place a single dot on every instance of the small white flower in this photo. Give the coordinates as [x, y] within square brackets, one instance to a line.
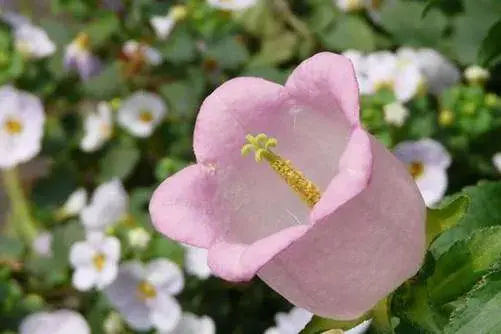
[22, 121]
[141, 113]
[496, 160]
[98, 127]
[232, 5]
[33, 42]
[427, 161]
[95, 261]
[74, 204]
[360, 66]
[113, 324]
[107, 206]
[57, 322]
[141, 51]
[195, 261]
[138, 238]
[79, 57]
[42, 245]
[350, 5]
[144, 294]
[163, 25]
[395, 113]
[290, 323]
[191, 324]
[476, 75]
[15, 20]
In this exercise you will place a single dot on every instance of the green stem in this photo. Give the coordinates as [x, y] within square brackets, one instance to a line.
[381, 317]
[21, 219]
[299, 26]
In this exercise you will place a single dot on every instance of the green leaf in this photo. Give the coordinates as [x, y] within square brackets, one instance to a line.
[350, 33]
[167, 248]
[260, 20]
[180, 97]
[268, 73]
[480, 313]
[119, 161]
[228, 53]
[458, 269]
[319, 325]
[276, 50]
[381, 317]
[10, 249]
[445, 216]
[106, 85]
[490, 50]
[405, 22]
[179, 48]
[60, 33]
[102, 28]
[63, 238]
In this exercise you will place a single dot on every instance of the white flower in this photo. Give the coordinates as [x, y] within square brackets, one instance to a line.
[163, 25]
[79, 57]
[395, 113]
[476, 75]
[195, 261]
[113, 324]
[143, 52]
[360, 66]
[98, 127]
[57, 322]
[107, 206]
[427, 161]
[33, 42]
[95, 261]
[403, 76]
[138, 238]
[74, 204]
[232, 5]
[290, 323]
[496, 160]
[144, 294]
[42, 245]
[22, 121]
[438, 71]
[191, 324]
[350, 5]
[141, 113]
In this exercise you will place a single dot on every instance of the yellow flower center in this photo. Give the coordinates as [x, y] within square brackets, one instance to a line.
[416, 169]
[99, 260]
[145, 116]
[82, 41]
[146, 290]
[13, 126]
[261, 145]
[384, 85]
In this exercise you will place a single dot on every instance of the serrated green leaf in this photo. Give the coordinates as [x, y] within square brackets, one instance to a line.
[445, 216]
[350, 33]
[405, 22]
[458, 269]
[480, 313]
[228, 53]
[276, 50]
[106, 85]
[119, 162]
[102, 28]
[490, 49]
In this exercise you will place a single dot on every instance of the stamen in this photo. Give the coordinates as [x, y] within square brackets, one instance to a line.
[13, 126]
[99, 260]
[261, 145]
[416, 169]
[146, 290]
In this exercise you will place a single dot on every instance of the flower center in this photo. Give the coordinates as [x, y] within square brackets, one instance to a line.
[261, 145]
[416, 169]
[13, 126]
[353, 5]
[99, 260]
[146, 290]
[105, 130]
[384, 85]
[145, 116]
[82, 41]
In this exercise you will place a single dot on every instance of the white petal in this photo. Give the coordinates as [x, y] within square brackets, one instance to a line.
[408, 79]
[122, 291]
[165, 313]
[138, 238]
[428, 151]
[106, 276]
[163, 25]
[350, 5]
[76, 202]
[84, 278]
[165, 275]
[33, 41]
[235, 5]
[476, 74]
[137, 316]
[191, 324]
[432, 184]
[153, 56]
[42, 244]
[81, 254]
[67, 321]
[361, 328]
[111, 248]
[440, 73]
[395, 113]
[496, 160]
[196, 262]
[36, 323]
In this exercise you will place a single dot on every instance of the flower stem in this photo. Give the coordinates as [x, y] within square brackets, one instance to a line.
[381, 317]
[21, 219]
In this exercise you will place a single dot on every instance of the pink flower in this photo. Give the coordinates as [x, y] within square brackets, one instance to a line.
[334, 230]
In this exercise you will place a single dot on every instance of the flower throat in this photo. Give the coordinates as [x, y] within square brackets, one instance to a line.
[262, 145]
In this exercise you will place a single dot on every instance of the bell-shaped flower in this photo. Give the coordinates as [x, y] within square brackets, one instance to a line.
[144, 294]
[141, 113]
[56, 322]
[22, 119]
[427, 161]
[95, 261]
[78, 57]
[98, 128]
[192, 324]
[232, 5]
[163, 25]
[107, 206]
[321, 211]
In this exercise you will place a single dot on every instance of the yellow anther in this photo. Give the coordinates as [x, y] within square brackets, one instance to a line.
[146, 290]
[99, 261]
[261, 145]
